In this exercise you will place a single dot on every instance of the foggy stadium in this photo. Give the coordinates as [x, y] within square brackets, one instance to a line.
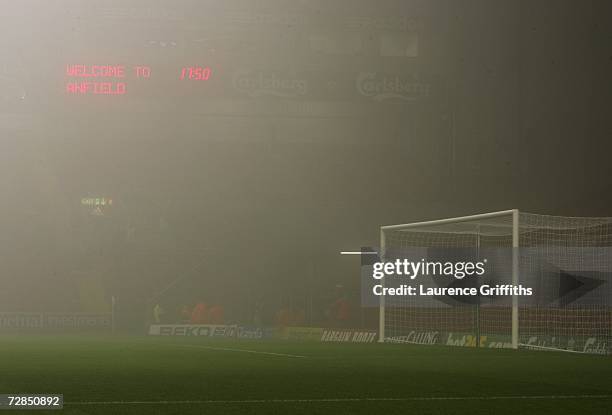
[197, 197]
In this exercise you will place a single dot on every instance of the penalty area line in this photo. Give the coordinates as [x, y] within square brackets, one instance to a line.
[340, 400]
[229, 349]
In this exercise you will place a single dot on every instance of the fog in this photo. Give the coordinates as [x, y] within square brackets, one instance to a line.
[320, 122]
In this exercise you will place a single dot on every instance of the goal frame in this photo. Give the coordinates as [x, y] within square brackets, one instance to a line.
[514, 213]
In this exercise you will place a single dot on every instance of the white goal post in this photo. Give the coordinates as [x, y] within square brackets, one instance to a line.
[559, 249]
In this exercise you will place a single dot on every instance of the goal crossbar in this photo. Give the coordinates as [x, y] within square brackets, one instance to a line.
[458, 219]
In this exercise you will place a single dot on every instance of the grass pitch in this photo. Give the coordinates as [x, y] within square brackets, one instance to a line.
[147, 375]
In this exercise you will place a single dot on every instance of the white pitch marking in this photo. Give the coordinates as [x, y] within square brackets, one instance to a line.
[323, 400]
[357, 253]
[227, 349]
[527, 346]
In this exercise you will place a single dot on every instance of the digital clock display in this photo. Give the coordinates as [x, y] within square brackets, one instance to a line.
[196, 73]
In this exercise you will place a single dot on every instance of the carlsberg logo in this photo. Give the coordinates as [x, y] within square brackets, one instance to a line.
[259, 83]
[381, 87]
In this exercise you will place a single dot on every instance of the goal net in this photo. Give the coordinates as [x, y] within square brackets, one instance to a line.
[565, 261]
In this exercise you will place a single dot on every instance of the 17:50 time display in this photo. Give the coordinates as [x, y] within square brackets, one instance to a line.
[195, 73]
